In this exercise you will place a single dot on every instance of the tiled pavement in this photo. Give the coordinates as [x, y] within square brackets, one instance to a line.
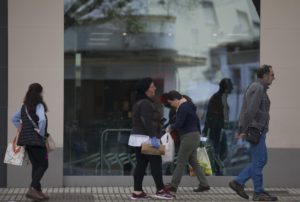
[97, 194]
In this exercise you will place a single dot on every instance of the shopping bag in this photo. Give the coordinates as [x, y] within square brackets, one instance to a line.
[50, 144]
[150, 150]
[14, 154]
[204, 161]
[168, 141]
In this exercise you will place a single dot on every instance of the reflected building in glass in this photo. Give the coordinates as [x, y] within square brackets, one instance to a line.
[184, 45]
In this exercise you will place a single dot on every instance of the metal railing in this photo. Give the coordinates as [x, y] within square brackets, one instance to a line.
[106, 131]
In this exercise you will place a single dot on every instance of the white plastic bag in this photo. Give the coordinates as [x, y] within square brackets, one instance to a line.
[204, 161]
[168, 141]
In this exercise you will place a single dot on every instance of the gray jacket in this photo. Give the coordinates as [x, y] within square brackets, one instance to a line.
[256, 107]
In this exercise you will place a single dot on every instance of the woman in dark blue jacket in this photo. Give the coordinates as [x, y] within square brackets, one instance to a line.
[187, 126]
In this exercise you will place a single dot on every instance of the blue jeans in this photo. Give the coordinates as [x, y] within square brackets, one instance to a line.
[255, 168]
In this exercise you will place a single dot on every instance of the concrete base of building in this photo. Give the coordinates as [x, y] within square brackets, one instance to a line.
[281, 171]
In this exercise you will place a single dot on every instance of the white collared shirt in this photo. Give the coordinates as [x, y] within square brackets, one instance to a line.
[136, 140]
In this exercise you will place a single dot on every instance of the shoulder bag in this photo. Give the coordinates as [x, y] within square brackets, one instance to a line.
[253, 135]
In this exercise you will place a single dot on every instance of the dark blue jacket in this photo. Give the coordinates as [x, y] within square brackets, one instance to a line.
[186, 119]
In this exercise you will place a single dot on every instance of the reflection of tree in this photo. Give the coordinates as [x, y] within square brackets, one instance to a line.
[179, 5]
[101, 11]
[78, 12]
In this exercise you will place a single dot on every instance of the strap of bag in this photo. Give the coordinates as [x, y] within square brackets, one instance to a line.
[33, 123]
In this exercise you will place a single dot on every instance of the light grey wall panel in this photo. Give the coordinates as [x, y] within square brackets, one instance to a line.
[20, 176]
[281, 171]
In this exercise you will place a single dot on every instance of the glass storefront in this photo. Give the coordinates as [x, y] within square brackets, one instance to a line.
[184, 45]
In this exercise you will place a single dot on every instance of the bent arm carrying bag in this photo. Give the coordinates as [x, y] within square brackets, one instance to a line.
[253, 135]
[14, 154]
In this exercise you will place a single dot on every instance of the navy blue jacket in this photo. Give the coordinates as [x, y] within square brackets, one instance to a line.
[186, 119]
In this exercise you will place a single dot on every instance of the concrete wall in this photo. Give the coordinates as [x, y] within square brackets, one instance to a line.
[36, 55]
[280, 47]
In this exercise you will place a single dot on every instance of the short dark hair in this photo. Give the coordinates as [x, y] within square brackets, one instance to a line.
[263, 70]
[225, 84]
[172, 95]
[143, 85]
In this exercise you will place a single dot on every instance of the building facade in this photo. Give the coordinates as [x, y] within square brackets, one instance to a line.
[80, 65]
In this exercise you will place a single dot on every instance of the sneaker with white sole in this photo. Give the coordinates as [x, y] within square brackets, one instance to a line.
[142, 195]
[164, 194]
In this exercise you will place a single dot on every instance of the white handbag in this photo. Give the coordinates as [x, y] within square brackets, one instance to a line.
[50, 144]
[14, 154]
[168, 141]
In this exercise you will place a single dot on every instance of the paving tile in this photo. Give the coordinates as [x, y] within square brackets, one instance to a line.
[97, 194]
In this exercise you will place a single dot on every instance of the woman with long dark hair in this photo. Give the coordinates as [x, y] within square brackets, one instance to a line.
[146, 126]
[32, 121]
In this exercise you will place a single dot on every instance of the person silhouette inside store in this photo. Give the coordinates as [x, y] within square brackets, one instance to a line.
[216, 119]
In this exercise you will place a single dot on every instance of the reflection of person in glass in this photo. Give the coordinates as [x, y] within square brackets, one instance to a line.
[146, 125]
[255, 113]
[187, 126]
[216, 117]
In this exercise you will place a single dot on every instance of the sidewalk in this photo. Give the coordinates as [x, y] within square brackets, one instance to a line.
[97, 194]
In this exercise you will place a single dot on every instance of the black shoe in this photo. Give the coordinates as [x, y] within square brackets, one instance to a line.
[264, 196]
[201, 188]
[239, 189]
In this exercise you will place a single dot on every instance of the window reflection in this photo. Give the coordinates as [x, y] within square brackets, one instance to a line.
[184, 45]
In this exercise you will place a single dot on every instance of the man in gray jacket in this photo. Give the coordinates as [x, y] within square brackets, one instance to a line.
[255, 114]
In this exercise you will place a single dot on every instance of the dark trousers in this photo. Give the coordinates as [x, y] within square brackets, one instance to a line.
[38, 157]
[140, 169]
[220, 147]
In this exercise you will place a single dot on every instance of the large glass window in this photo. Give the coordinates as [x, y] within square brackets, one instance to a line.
[110, 45]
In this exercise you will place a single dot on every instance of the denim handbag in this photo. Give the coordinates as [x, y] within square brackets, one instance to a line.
[253, 135]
